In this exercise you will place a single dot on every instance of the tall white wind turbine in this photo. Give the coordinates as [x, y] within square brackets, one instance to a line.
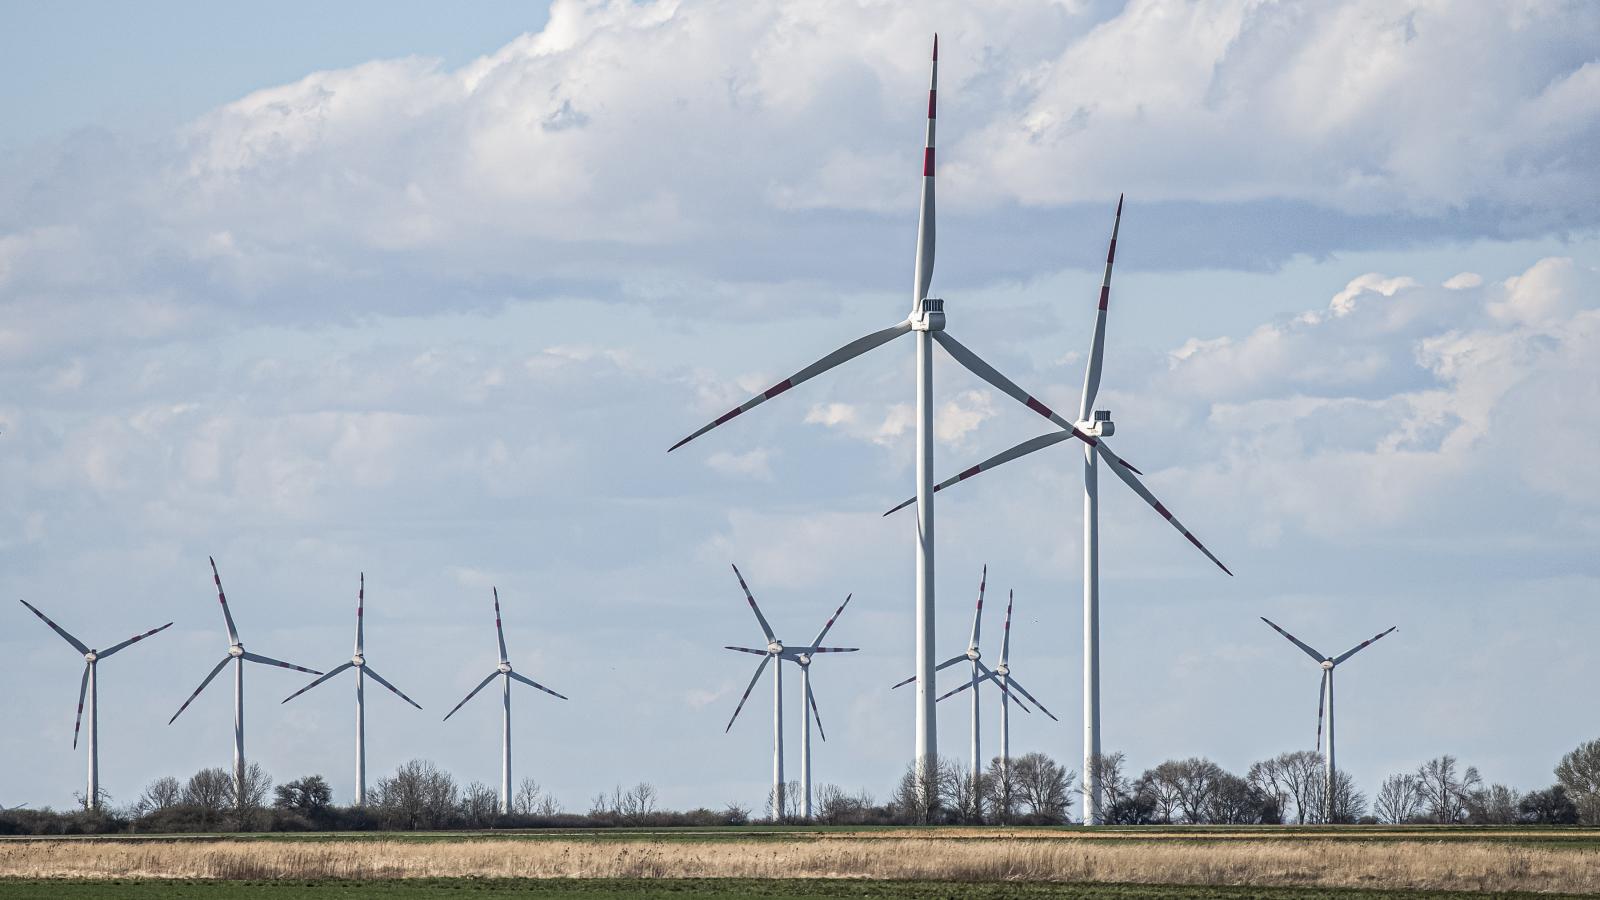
[927, 322]
[802, 657]
[1000, 676]
[1325, 702]
[238, 656]
[363, 672]
[88, 686]
[1092, 428]
[506, 674]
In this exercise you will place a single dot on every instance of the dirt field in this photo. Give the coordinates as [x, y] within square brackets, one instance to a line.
[1421, 862]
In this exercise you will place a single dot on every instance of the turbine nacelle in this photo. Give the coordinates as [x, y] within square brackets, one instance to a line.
[1328, 664]
[504, 668]
[775, 648]
[974, 654]
[930, 317]
[1098, 425]
[358, 660]
[1002, 669]
[91, 656]
[236, 650]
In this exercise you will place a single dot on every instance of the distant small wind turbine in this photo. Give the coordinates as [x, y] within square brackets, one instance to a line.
[802, 657]
[506, 674]
[363, 671]
[1325, 701]
[238, 656]
[1000, 676]
[88, 685]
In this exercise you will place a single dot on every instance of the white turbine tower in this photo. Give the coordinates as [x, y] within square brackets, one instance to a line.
[802, 657]
[1000, 676]
[363, 672]
[506, 674]
[1325, 701]
[1092, 428]
[238, 656]
[927, 322]
[88, 686]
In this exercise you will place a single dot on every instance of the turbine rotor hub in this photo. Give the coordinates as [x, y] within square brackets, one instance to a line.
[775, 647]
[236, 650]
[504, 668]
[973, 654]
[1327, 664]
[91, 656]
[358, 660]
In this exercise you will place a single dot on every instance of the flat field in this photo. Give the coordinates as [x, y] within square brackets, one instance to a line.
[887, 862]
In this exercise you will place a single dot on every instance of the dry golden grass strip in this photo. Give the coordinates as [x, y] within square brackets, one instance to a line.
[1417, 865]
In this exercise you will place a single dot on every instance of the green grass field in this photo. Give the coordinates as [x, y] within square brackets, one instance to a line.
[687, 889]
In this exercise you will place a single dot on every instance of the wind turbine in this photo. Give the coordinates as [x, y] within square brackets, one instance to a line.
[1000, 676]
[927, 322]
[238, 656]
[363, 671]
[1325, 701]
[88, 686]
[1092, 428]
[506, 674]
[801, 656]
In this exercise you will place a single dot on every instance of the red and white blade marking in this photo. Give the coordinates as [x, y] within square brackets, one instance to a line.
[1132, 481]
[470, 694]
[133, 640]
[225, 661]
[848, 352]
[233, 633]
[1097, 347]
[76, 644]
[1357, 648]
[765, 628]
[1309, 650]
[753, 679]
[831, 619]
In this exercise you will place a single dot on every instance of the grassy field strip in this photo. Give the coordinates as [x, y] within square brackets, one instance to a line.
[1415, 865]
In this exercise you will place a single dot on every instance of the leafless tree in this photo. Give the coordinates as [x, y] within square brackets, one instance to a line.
[1445, 793]
[479, 805]
[1160, 787]
[1497, 804]
[1194, 781]
[1044, 787]
[1001, 784]
[1579, 774]
[919, 798]
[210, 791]
[1234, 801]
[835, 807]
[637, 803]
[1399, 800]
[163, 793]
[531, 800]
[968, 796]
[418, 795]
[1295, 780]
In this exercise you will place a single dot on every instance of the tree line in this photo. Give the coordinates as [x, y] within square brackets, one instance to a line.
[1032, 789]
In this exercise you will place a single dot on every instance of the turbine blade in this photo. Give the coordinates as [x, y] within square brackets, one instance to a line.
[765, 628]
[834, 649]
[1005, 639]
[1122, 470]
[517, 676]
[831, 619]
[318, 681]
[269, 661]
[1000, 682]
[977, 616]
[1322, 697]
[83, 689]
[1296, 641]
[133, 640]
[499, 632]
[989, 373]
[1097, 348]
[748, 688]
[225, 661]
[1022, 449]
[76, 644]
[1359, 647]
[361, 604]
[747, 650]
[944, 665]
[848, 352]
[925, 215]
[1014, 684]
[812, 699]
[964, 685]
[233, 633]
[397, 692]
[469, 695]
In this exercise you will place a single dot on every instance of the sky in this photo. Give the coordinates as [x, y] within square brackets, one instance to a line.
[426, 295]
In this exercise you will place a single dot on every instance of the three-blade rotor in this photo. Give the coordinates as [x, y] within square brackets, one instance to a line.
[1327, 663]
[359, 661]
[90, 658]
[504, 669]
[776, 650]
[236, 649]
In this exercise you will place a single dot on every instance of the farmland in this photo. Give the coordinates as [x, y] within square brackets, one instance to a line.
[1226, 862]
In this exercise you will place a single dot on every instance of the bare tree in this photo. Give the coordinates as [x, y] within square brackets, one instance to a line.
[1234, 801]
[210, 792]
[1160, 787]
[1444, 792]
[919, 798]
[1295, 780]
[1001, 784]
[835, 807]
[1496, 804]
[531, 800]
[968, 796]
[637, 803]
[1579, 774]
[1399, 800]
[309, 796]
[163, 793]
[1044, 787]
[1194, 781]
[479, 805]
[418, 795]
